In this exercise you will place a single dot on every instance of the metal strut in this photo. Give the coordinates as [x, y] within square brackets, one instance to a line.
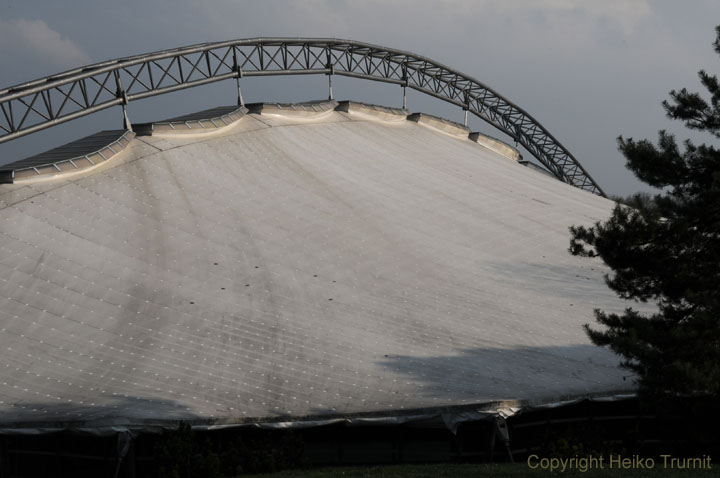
[331, 70]
[404, 85]
[465, 107]
[238, 75]
[120, 93]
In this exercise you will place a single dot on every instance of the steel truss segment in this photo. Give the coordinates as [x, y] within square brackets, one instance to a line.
[101, 87]
[296, 58]
[255, 52]
[166, 72]
[66, 96]
[195, 65]
[318, 58]
[9, 125]
[32, 103]
[48, 103]
[136, 77]
[83, 90]
[221, 61]
[272, 61]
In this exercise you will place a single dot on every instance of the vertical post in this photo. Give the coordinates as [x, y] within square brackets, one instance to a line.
[240, 100]
[126, 120]
[404, 85]
[466, 107]
[331, 70]
[501, 429]
[121, 93]
[238, 75]
[123, 446]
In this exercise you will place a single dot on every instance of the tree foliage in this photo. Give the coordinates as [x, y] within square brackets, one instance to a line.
[665, 249]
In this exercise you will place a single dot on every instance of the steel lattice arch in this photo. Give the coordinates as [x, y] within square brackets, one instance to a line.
[55, 99]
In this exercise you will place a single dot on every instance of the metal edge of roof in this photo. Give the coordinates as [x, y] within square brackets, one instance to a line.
[69, 165]
[310, 109]
[458, 130]
[446, 126]
[448, 417]
[368, 110]
[191, 126]
[217, 123]
[495, 145]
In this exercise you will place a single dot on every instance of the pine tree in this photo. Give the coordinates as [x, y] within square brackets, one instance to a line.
[666, 250]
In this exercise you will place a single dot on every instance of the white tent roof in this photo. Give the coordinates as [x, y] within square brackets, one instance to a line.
[295, 266]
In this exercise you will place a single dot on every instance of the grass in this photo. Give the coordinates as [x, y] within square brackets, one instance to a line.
[517, 470]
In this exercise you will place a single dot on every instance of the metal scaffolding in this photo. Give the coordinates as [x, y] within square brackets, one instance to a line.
[42, 103]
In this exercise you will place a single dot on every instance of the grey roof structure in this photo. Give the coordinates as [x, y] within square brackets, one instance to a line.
[210, 119]
[45, 102]
[289, 267]
[70, 157]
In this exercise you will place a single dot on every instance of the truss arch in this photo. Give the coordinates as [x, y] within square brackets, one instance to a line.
[45, 102]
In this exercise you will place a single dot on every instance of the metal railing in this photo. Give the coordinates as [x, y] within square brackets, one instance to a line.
[42, 103]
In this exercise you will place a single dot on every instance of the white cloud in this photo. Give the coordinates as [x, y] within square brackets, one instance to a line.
[37, 42]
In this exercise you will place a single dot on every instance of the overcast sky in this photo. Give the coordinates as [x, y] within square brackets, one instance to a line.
[587, 70]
